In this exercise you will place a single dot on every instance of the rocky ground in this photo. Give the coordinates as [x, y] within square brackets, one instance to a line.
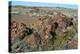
[43, 29]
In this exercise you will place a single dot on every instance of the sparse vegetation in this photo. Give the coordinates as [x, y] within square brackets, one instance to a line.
[43, 28]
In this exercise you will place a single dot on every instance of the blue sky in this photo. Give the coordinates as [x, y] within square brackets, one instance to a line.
[44, 4]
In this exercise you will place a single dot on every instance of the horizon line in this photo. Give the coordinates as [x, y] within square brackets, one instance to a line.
[43, 4]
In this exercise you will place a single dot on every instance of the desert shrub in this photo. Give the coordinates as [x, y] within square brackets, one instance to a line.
[70, 33]
[22, 45]
[69, 21]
